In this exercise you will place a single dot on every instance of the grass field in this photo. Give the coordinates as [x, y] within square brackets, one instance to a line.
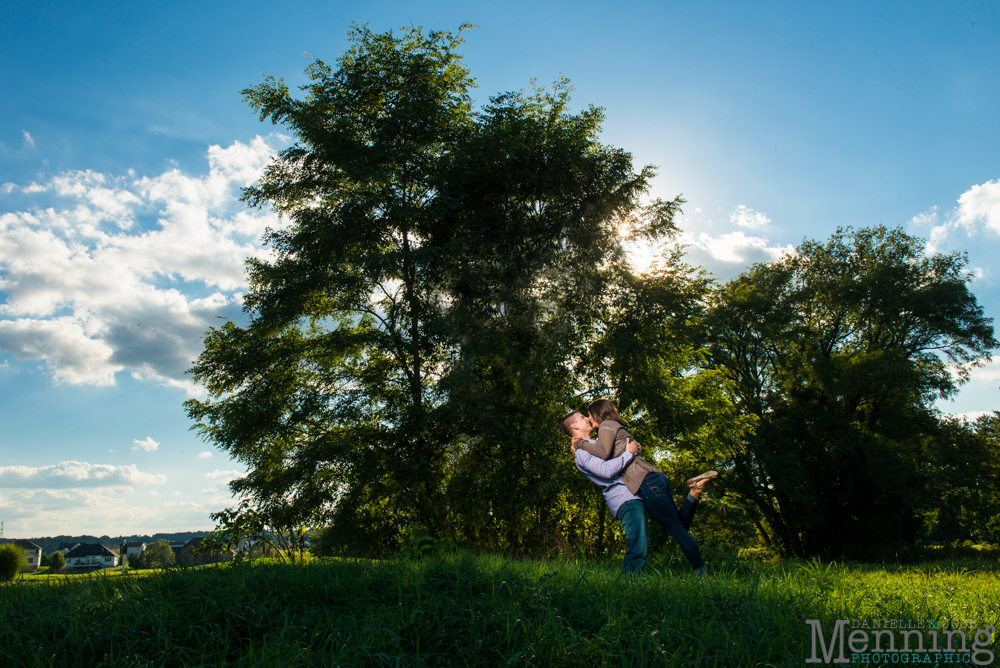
[467, 610]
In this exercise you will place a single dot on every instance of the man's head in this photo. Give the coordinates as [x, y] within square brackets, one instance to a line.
[577, 425]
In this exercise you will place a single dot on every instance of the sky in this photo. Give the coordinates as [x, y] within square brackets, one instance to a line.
[124, 142]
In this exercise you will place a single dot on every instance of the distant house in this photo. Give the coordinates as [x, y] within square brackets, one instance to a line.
[177, 548]
[66, 547]
[31, 551]
[187, 554]
[244, 544]
[91, 555]
[135, 550]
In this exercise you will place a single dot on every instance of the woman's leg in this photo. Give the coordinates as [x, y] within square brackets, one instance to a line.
[697, 485]
[656, 497]
[686, 512]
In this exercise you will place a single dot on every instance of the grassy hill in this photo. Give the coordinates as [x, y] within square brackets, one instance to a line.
[468, 610]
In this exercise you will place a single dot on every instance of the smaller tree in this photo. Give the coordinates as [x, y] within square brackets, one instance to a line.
[57, 562]
[159, 555]
[12, 561]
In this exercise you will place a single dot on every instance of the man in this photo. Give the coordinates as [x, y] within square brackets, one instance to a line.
[625, 506]
[643, 481]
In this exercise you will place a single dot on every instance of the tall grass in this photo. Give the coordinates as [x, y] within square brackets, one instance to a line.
[467, 610]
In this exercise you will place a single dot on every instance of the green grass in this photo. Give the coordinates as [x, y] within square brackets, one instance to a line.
[44, 574]
[466, 610]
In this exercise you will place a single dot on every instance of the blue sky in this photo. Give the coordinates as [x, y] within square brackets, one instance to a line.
[124, 142]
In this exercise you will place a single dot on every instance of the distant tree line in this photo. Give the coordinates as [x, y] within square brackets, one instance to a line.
[453, 280]
[51, 543]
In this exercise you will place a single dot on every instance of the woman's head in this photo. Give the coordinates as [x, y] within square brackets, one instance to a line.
[602, 410]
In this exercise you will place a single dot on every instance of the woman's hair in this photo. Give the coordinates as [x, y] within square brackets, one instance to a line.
[603, 410]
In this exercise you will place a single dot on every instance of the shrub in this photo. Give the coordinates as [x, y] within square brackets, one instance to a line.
[12, 561]
[57, 562]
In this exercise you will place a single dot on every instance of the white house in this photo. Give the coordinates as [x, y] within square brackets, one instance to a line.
[91, 555]
[31, 551]
[66, 547]
[135, 550]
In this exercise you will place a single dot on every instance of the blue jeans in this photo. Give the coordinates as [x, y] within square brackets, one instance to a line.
[659, 503]
[632, 515]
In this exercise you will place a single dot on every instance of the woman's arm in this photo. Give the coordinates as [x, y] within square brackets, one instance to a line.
[605, 445]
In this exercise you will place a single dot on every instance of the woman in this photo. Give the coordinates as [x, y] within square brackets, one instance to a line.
[647, 481]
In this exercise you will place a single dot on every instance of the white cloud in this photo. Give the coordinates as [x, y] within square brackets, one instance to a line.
[28, 503]
[929, 217]
[728, 254]
[980, 203]
[148, 445]
[749, 218]
[978, 209]
[95, 287]
[70, 474]
[225, 476]
[112, 511]
[28, 141]
[204, 455]
[988, 372]
[971, 416]
[73, 356]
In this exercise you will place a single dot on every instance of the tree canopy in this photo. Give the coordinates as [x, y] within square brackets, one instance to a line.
[839, 351]
[157, 555]
[445, 276]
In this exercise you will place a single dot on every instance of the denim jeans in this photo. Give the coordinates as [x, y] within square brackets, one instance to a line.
[659, 503]
[632, 515]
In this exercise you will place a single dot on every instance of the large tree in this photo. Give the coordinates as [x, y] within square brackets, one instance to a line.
[839, 351]
[419, 329]
[158, 555]
[967, 464]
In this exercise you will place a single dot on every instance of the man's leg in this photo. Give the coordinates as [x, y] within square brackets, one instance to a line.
[656, 497]
[632, 515]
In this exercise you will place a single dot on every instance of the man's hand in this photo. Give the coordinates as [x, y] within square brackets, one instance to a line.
[632, 446]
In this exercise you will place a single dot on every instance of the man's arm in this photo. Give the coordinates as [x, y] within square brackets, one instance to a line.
[602, 468]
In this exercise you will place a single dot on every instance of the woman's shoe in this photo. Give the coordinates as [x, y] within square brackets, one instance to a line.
[707, 475]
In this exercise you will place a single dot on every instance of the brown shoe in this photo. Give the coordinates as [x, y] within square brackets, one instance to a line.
[707, 475]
